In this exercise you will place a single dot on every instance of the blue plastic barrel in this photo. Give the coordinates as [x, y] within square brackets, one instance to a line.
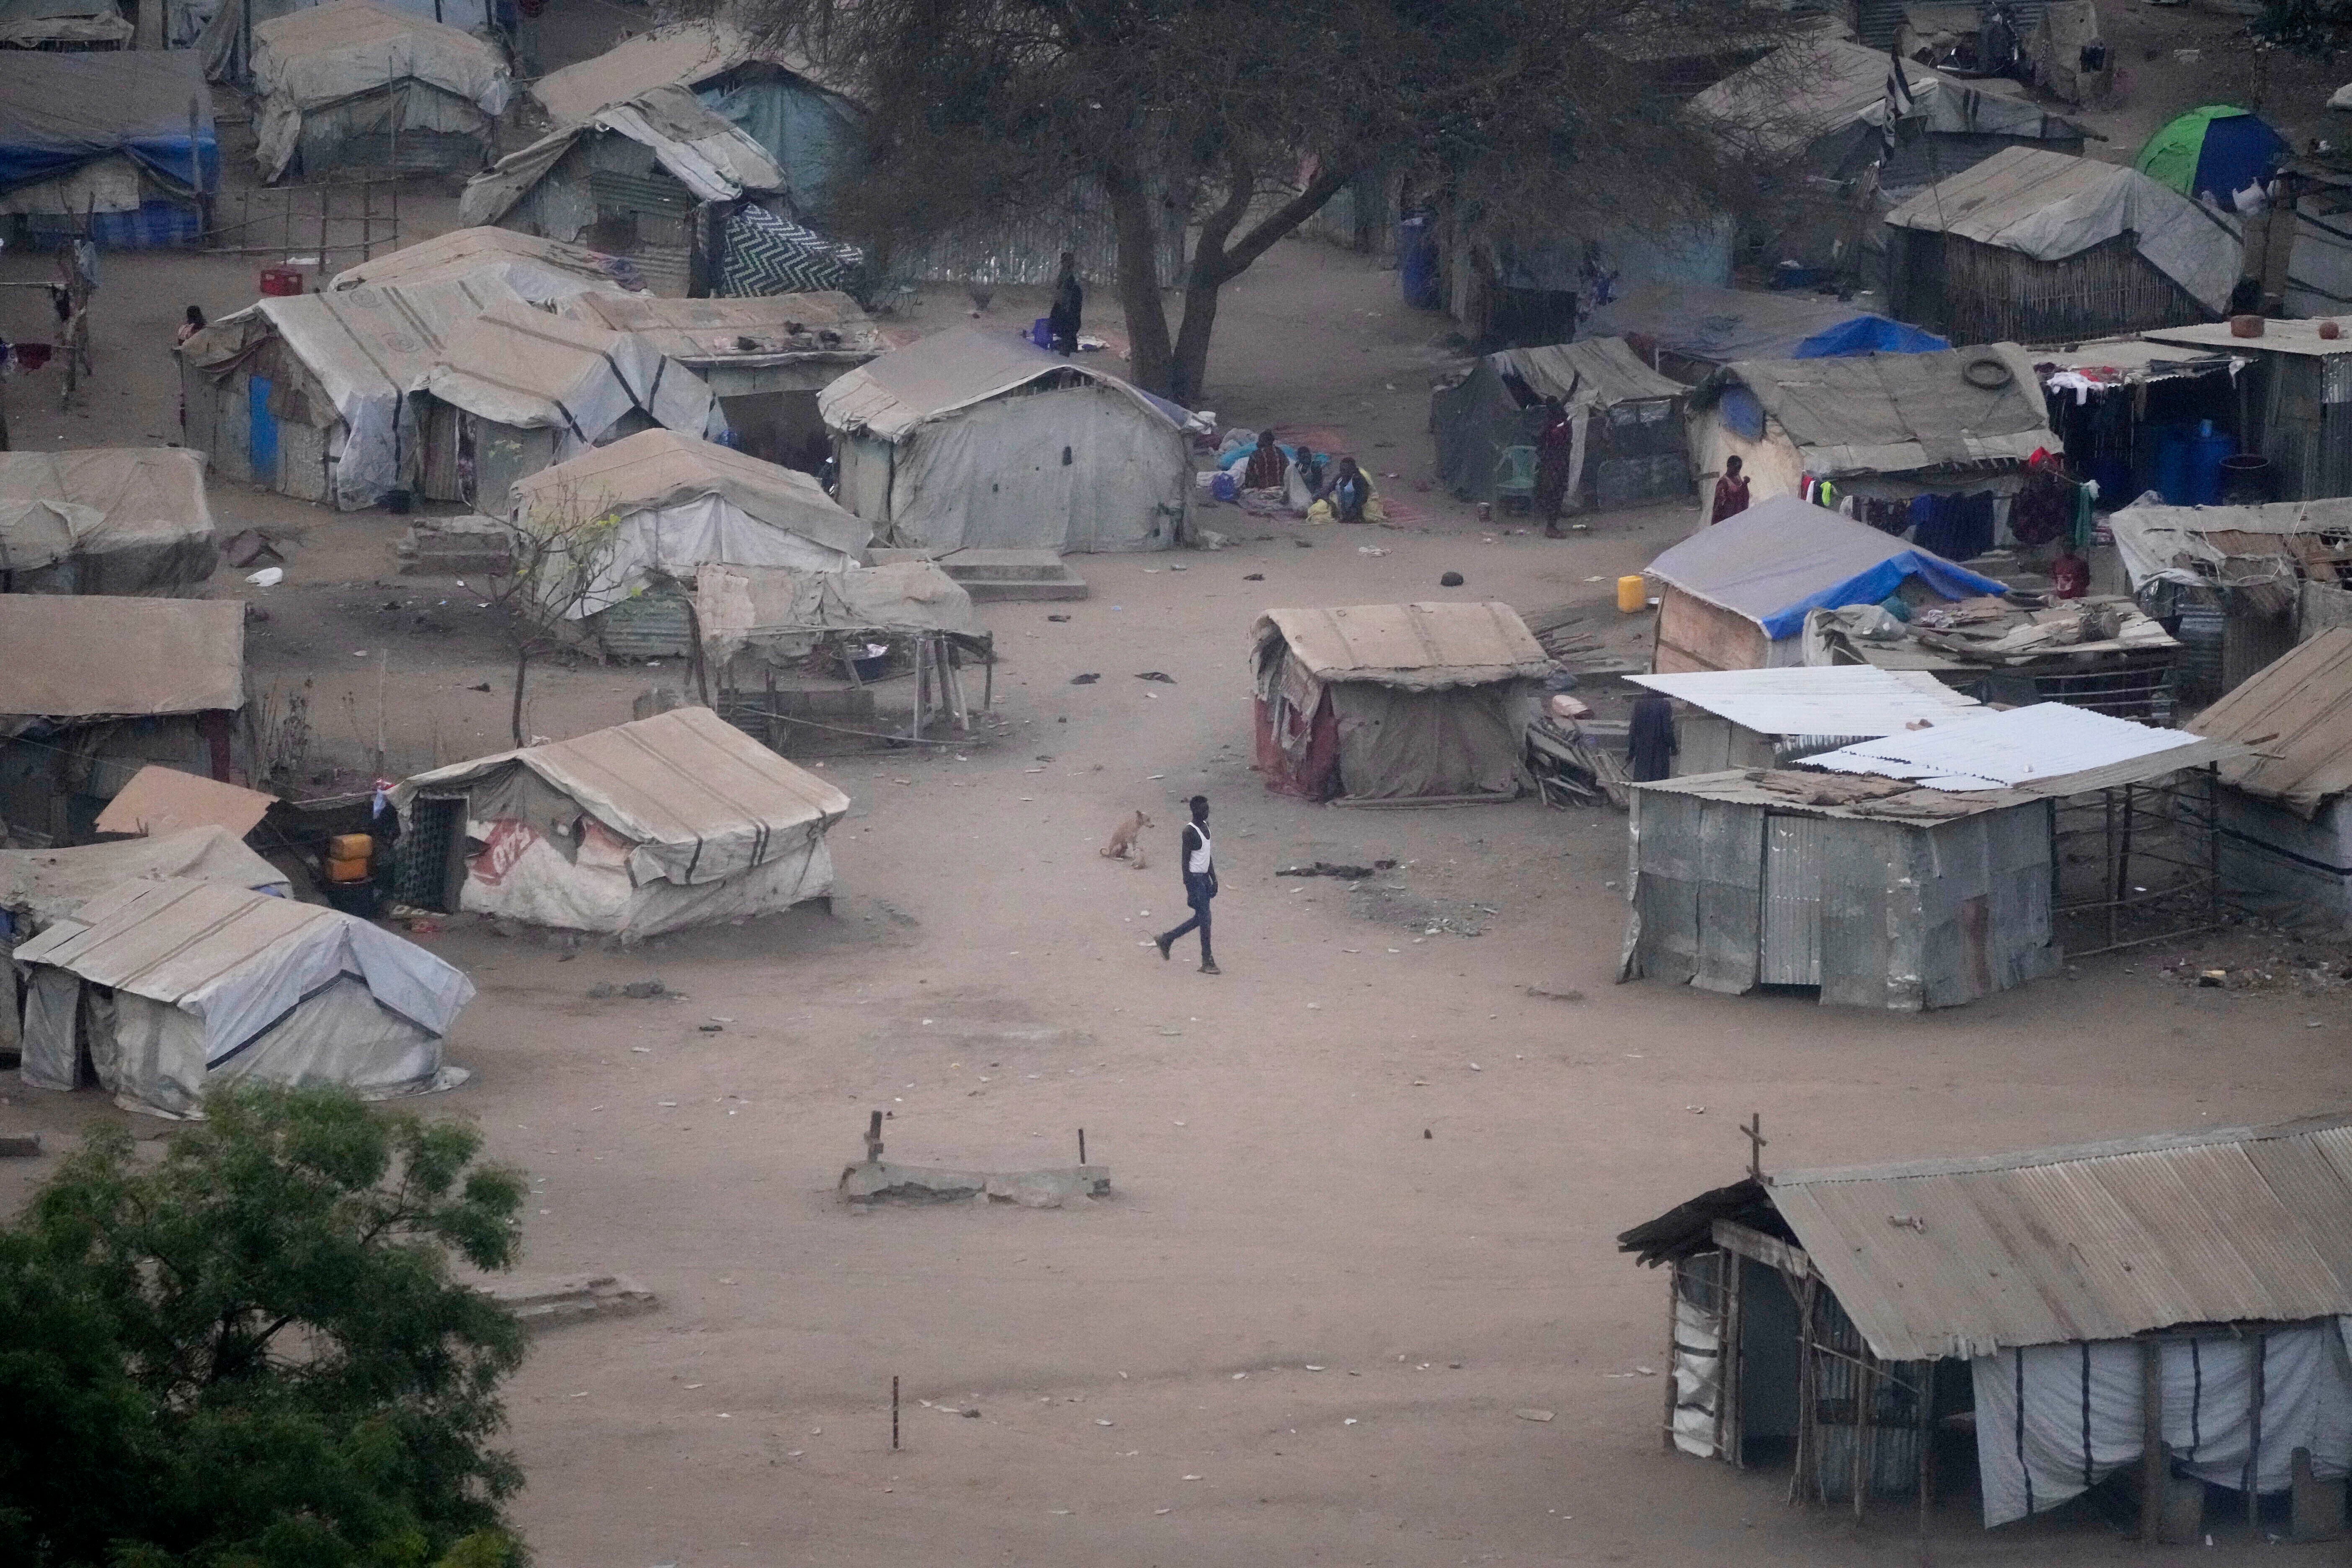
[1417, 264]
[2172, 477]
[2206, 450]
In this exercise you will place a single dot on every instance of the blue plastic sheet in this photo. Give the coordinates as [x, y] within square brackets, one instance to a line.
[59, 111]
[1868, 334]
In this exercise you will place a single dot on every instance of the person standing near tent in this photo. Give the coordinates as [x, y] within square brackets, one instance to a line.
[1196, 858]
[1070, 304]
[1650, 743]
[1555, 450]
[1730, 493]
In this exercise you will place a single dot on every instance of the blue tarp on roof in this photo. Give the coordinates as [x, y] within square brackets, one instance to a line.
[61, 110]
[1868, 334]
[1785, 556]
[1717, 326]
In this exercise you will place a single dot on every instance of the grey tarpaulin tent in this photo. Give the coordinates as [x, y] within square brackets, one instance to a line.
[310, 394]
[92, 690]
[2191, 1286]
[355, 82]
[622, 530]
[1395, 703]
[40, 887]
[764, 358]
[226, 41]
[117, 144]
[980, 440]
[516, 390]
[172, 987]
[1630, 443]
[109, 519]
[676, 820]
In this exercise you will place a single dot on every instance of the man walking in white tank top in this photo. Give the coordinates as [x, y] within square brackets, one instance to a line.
[1197, 857]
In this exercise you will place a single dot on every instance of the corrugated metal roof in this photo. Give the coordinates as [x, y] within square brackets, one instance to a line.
[2047, 750]
[542, 270]
[2092, 1242]
[1840, 796]
[781, 329]
[888, 397]
[1423, 647]
[2294, 716]
[1854, 700]
[1601, 371]
[2278, 337]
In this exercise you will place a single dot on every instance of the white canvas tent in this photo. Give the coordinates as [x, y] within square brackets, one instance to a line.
[113, 520]
[308, 393]
[524, 390]
[39, 888]
[656, 506]
[676, 820]
[980, 439]
[174, 987]
[357, 83]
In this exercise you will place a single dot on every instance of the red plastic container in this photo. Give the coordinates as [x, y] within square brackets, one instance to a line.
[281, 280]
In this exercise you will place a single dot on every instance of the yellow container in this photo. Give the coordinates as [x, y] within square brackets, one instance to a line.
[1631, 595]
[348, 870]
[351, 847]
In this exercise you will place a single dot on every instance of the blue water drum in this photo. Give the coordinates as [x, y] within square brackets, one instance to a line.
[2207, 449]
[1417, 264]
[2172, 480]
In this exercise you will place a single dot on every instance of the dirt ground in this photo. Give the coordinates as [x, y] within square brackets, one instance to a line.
[1281, 1340]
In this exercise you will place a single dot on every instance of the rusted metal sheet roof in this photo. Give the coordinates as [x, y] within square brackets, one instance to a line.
[1419, 646]
[2093, 1242]
[2295, 715]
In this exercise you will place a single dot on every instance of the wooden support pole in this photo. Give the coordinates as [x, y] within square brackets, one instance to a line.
[2254, 1396]
[1673, 1350]
[2154, 1472]
[922, 679]
[894, 1412]
[1863, 1378]
[1082, 1145]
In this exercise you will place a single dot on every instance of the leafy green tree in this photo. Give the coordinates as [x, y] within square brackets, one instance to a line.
[2315, 28]
[1241, 119]
[251, 1353]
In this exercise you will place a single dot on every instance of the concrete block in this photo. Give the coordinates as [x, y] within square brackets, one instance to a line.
[873, 1181]
[20, 1146]
[550, 1303]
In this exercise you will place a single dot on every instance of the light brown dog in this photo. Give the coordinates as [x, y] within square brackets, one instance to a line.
[1127, 841]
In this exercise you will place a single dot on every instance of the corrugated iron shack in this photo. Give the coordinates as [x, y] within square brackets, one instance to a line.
[2286, 834]
[2070, 1320]
[1770, 718]
[1929, 867]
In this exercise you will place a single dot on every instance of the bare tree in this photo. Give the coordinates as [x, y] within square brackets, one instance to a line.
[1241, 119]
[562, 550]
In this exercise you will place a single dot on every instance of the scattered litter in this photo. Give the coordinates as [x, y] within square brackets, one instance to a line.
[1100, 1421]
[1312, 1367]
[1057, 617]
[1369, 550]
[1532, 1414]
[1255, 577]
[267, 577]
[1160, 675]
[1449, 580]
[1550, 995]
[1350, 1421]
[1086, 679]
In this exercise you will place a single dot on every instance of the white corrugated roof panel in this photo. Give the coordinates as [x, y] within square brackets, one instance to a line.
[1828, 699]
[2047, 749]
